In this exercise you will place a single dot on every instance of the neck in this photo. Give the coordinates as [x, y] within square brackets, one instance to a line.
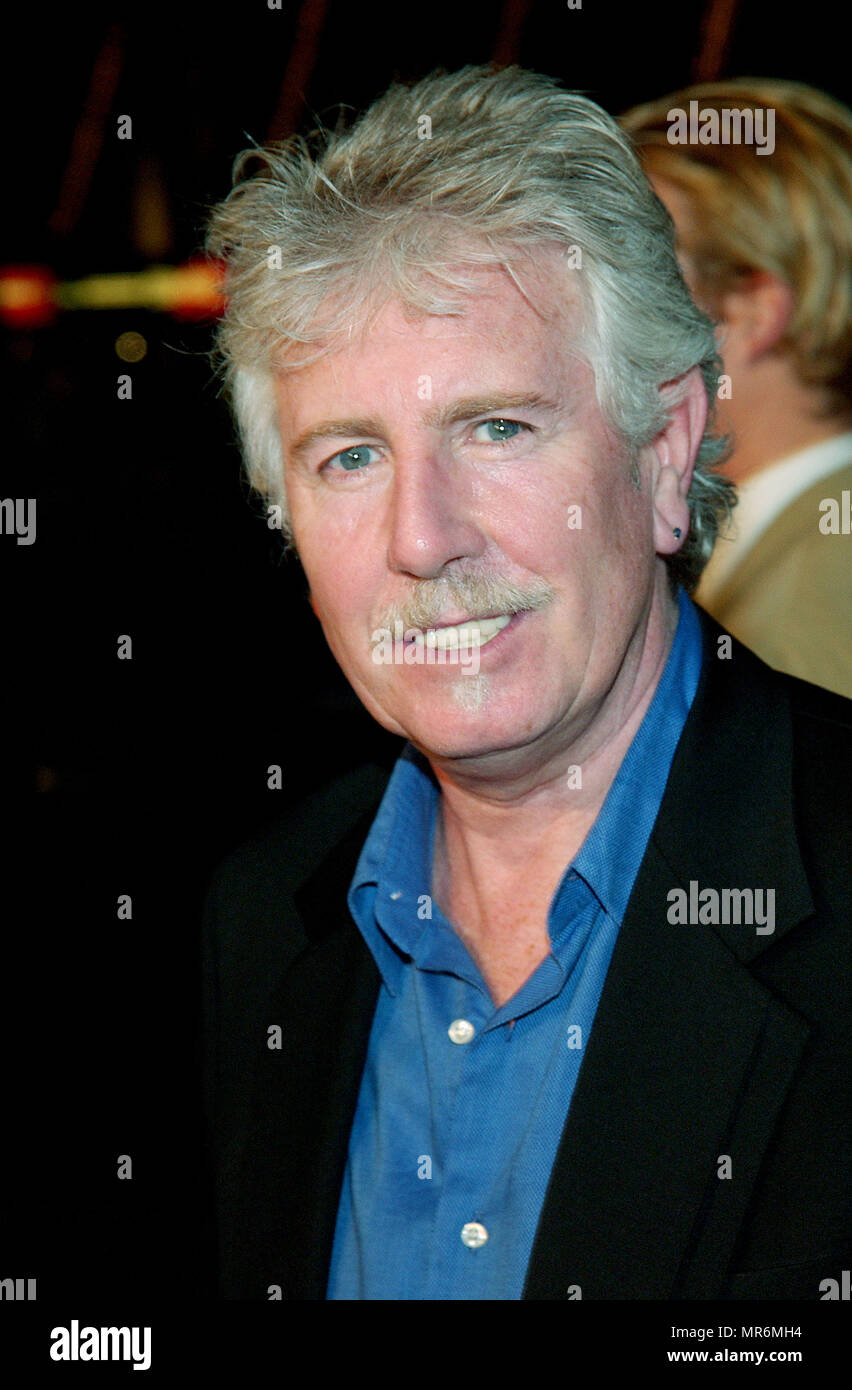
[503, 842]
[771, 417]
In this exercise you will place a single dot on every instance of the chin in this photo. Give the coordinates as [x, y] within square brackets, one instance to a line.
[467, 728]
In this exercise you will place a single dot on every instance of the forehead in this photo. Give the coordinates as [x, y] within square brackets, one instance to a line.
[501, 327]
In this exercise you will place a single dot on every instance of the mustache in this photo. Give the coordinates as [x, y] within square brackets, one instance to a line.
[475, 595]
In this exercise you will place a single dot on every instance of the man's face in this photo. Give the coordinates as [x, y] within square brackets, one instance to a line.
[400, 482]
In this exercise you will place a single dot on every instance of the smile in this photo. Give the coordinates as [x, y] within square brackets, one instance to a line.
[472, 633]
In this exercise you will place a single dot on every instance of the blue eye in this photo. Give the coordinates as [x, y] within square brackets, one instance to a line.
[353, 458]
[500, 430]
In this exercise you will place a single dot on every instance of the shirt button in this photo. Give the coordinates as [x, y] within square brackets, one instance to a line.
[474, 1234]
[461, 1031]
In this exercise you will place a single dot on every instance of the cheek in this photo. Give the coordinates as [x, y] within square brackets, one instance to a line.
[538, 519]
[330, 566]
[331, 605]
[341, 598]
[598, 515]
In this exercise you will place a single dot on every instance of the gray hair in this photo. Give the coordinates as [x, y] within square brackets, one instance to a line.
[479, 167]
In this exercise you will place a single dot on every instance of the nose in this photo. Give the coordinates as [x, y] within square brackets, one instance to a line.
[431, 516]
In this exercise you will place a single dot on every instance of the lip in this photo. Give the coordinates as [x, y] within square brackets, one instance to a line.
[494, 646]
[464, 621]
[488, 655]
[497, 643]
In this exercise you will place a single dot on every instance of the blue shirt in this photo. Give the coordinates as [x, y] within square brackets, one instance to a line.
[462, 1105]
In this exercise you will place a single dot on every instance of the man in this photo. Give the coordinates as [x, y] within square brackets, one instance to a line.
[765, 240]
[554, 1011]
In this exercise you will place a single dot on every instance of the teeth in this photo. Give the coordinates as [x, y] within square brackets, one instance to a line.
[469, 635]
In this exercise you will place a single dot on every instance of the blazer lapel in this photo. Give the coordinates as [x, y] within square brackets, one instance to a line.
[690, 1057]
[306, 1092]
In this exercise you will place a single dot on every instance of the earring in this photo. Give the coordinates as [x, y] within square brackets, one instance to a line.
[677, 531]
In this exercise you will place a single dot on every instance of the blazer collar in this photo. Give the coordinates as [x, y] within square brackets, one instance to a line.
[727, 816]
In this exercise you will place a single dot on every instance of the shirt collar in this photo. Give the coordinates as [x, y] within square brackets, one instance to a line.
[762, 497]
[609, 857]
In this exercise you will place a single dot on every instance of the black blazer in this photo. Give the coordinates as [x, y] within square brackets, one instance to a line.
[708, 1040]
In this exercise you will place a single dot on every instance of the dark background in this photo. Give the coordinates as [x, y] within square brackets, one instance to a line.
[137, 776]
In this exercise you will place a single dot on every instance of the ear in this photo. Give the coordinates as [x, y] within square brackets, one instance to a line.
[756, 316]
[672, 457]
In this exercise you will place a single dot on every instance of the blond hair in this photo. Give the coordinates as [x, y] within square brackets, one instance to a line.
[788, 213]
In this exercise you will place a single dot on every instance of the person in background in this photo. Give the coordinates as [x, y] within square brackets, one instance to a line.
[764, 238]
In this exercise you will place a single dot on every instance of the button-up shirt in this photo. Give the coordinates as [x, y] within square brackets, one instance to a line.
[462, 1104]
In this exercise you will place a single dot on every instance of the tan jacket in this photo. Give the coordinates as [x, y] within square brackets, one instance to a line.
[791, 598]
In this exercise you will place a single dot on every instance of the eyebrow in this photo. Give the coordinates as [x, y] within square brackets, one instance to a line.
[436, 418]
